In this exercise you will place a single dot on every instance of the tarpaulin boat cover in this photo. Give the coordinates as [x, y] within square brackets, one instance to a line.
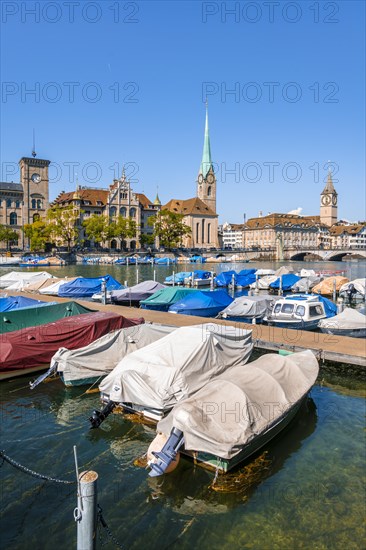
[176, 366]
[259, 393]
[359, 285]
[136, 293]
[249, 306]
[103, 355]
[284, 270]
[307, 273]
[201, 274]
[245, 272]
[287, 281]
[34, 346]
[163, 299]
[53, 288]
[83, 286]
[264, 282]
[165, 261]
[245, 280]
[30, 317]
[29, 285]
[178, 278]
[327, 285]
[264, 272]
[306, 283]
[204, 303]
[225, 278]
[15, 276]
[20, 302]
[350, 319]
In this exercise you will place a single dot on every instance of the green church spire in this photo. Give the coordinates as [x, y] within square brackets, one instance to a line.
[206, 162]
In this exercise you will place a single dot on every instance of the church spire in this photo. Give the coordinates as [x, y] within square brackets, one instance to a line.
[206, 162]
[329, 187]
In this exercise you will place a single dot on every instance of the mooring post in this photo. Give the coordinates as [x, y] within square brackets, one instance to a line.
[173, 278]
[334, 290]
[280, 292]
[104, 292]
[154, 275]
[86, 511]
[137, 276]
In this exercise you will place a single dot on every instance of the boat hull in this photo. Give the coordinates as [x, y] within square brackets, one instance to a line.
[297, 325]
[353, 333]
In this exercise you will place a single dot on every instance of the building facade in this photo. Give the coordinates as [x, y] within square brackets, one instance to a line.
[351, 236]
[27, 201]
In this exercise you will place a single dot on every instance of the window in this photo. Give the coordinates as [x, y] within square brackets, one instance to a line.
[99, 203]
[39, 203]
[197, 231]
[13, 219]
[277, 308]
[203, 231]
[36, 218]
[34, 203]
[123, 211]
[209, 191]
[314, 311]
[17, 204]
[112, 211]
[208, 232]
[300, 310]
[287, 308]
[8, 203]
[132, 212]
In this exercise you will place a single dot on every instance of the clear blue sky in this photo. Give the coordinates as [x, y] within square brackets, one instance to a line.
[159, 55]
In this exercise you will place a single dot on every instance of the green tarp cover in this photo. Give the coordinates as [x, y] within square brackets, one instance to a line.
[168, 296]
[31, 317]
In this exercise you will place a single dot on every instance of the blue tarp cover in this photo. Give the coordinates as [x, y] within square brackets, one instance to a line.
[225, 278]
[247, 272]
[288, 281]
[20, 302]
[178, 277]
[88, 286]
[245, 280]
[205, 303]
[329, 306]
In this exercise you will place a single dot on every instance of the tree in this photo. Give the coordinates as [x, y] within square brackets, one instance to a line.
[146, 239]
[123, 228]
[8, 235]
[169, 227]
[98, 228]
[63, 224]
[38, 234]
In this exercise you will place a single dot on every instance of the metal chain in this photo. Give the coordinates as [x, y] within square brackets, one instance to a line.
[103, 523]
[31, 472]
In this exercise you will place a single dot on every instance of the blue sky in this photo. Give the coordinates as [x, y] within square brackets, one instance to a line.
[124, 83]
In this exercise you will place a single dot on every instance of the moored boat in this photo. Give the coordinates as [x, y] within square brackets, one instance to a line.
[87, 286]
[300, 311]
[132, 295]
[236, 414]
[11, 303]
[354, 290]
[162, 299]
[330, 285]
[202, 303]
[249, 309]
[348, 323]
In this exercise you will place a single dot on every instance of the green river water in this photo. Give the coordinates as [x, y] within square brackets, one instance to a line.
[311, 494]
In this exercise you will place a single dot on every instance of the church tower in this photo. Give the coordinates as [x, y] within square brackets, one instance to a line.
[328, 203]
[34, 179]
[206, 181]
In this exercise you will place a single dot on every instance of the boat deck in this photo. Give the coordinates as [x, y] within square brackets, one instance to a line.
[328, 347]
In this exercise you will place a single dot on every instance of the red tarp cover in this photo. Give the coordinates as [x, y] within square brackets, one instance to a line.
[34, 346]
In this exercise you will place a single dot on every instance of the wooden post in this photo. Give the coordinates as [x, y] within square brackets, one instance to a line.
[87, 511]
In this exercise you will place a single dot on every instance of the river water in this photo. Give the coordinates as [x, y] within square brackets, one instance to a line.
[309, 493]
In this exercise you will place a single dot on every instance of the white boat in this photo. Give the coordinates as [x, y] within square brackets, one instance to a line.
[348, 323]
[249, 309]
[23, 277]
[152, 380]
[354, 290]
[234, 415]
[300, 311]
[9, 261]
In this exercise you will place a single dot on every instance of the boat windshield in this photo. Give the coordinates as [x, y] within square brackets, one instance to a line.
[277, 308]
[314, 311]
[300, 310]
[287, 308]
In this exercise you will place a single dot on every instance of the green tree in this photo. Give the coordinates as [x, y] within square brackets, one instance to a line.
[38, 234]
[146, 239]
[169, 227]
[98, 228]
[8, 235]
[63, 224]
[123, 228]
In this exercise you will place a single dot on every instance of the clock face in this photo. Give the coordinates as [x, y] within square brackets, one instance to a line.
[326, 200]
[36, 178]
[210, 178]
[334, 200]
[200, 178]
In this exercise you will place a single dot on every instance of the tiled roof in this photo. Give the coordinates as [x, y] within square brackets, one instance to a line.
[143, 200]
[289, 220]
[337, 230]
[189, 207]
[91, 195]
[6, 186]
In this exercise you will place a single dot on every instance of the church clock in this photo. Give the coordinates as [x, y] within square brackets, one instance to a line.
[334, 200]
[326, 199]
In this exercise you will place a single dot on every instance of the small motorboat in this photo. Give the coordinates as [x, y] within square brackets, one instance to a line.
[234, 415]
[348, 323]
[300, 311]
[199, 278]
[152, 380]
[354, 290]
[330, 285]
[84, 287]
[177, 278]
[132, 295]
[162, 299]
[11, 303]
[204, 303]
[249, 309]
[284, 282]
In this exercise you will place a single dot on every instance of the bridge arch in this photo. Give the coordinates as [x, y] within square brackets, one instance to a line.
[300, 256]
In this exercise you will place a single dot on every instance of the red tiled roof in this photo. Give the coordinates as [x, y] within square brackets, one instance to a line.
[189, 207]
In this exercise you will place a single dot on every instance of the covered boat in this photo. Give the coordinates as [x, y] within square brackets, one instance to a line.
[199, 277]
[165, 261]
[202, 303]
[246, 309]
[177, 278]
[348, 323]
[25, 350]
[262, 283]
[225, 278]
[328, 285]
[285, 282]
[245, 280]
[85, 365]
[11, 303]
[133, 295]
[300, 311]
[152, 380]
[16, 276]
[86, 287]
[163, 299]
[53, 287]
[306, 283]
[19, 319]
[236, 414]
[354, 290]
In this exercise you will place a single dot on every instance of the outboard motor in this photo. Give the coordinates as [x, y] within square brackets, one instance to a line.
[351, 291]
[167, 454]
[97, 417]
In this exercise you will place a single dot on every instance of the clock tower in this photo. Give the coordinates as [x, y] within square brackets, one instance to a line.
[206, 181]
[34, 179]
[328, 203]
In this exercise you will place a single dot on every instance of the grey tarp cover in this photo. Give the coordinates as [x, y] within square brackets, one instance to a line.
[103, 355]
[359, 284]
[249, 306]
[16, 276]
[264, 282]
[306, 283]
[258, 393]
[350, 319]
[178, 365]
[141, 291]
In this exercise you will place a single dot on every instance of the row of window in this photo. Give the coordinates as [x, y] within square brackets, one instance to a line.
[123, 212]
[35, 203]
[203, 232]
[13, 218]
